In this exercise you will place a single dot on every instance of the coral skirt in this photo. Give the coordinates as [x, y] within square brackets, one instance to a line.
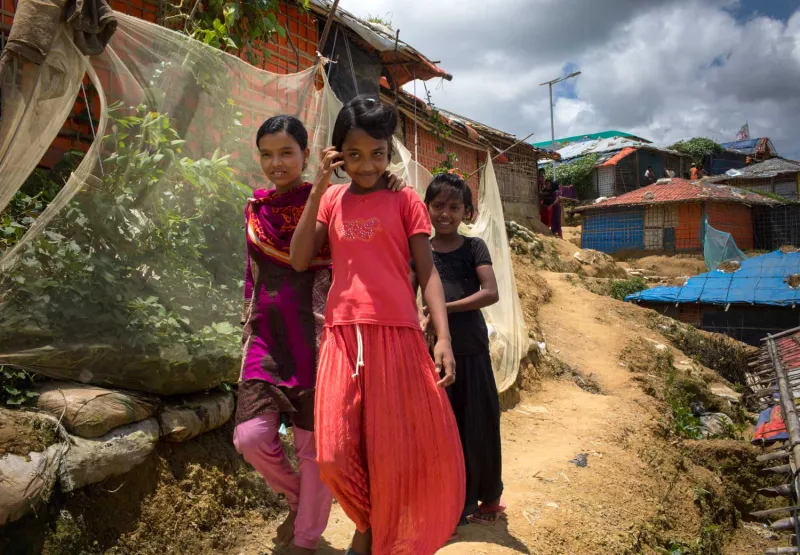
[387, 441]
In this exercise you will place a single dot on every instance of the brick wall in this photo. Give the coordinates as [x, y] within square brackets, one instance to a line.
[289, 54]
[468, 158]
[736, 219]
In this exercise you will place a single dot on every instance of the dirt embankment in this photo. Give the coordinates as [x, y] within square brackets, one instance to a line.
[196, 497]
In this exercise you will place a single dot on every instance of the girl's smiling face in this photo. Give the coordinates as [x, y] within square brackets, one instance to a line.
[282, 159]
[365, 158]
[446, 211]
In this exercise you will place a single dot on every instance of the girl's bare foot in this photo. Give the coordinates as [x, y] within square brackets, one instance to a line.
[286, 529]
[362, 542]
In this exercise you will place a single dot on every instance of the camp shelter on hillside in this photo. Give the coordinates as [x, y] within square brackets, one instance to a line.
[516, 166]
[668, 216]
[610, 134]
[774, 226]
[758, 149]
[757, 299]
[777, 176]
[515, 162]
[735, 155]
[363, 53]
[623, 162]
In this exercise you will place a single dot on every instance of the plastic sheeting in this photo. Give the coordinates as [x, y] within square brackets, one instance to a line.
[719, 247]
[761, 280]
[508, 334]
[132, 277]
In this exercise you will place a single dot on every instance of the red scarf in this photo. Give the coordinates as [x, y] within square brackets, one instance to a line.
[271, 220]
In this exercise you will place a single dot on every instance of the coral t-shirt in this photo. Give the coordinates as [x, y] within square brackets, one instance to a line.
[368, 236]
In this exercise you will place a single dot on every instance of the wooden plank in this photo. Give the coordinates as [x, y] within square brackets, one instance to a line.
[781, 550]
[769, 512]
[778, 455]
[784, 524]
[782, 469]
[784, 490]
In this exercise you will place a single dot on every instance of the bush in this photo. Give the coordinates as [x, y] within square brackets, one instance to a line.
[621, 288]
[718, 352]
[698, 148]
[578, 173]
[137, 280]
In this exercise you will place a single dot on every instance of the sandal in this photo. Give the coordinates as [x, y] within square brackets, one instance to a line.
[488, 514]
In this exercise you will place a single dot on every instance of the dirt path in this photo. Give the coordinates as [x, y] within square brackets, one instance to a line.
[555, 506]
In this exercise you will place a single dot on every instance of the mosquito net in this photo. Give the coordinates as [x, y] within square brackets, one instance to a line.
[126, 268]
[719, 247]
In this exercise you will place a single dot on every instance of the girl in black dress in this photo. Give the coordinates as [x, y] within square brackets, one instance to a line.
[465, 267]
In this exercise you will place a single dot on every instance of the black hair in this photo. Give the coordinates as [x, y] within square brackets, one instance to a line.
[368, 113]
[454, 186]
[290, 124]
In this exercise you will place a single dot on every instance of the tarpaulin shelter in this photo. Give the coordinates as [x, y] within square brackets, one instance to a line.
[131, 276]
[758, 299]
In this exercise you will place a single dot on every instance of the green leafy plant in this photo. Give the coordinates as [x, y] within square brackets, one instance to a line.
[697, 148]
[579, 173]
[442, 131]
[142, 271]
[621, 288]
[16, 386]
[232, 25]
[386, 20]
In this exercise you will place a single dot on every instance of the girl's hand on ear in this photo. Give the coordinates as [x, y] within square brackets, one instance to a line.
[395, 183]
[331, 159]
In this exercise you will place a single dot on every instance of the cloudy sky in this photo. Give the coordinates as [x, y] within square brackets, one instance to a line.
[661, 69]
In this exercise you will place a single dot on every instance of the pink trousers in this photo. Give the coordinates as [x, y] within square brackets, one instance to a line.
[257, 440]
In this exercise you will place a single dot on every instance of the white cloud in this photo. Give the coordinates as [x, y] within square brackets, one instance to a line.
[666, 69]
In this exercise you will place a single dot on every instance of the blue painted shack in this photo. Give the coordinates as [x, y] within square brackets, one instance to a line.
[668, 216]
[756, 299]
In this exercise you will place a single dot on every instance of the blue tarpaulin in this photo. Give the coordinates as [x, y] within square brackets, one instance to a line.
[760, 280]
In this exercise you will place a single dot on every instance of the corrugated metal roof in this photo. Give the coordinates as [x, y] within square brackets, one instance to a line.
[588, 137]
[618, 156]
[752, 147]
[765, 169]
[760, 280]
[680, 190]
[414, 64]
[488, 130]
[612, 144]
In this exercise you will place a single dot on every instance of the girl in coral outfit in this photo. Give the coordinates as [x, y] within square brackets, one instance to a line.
[387, 441]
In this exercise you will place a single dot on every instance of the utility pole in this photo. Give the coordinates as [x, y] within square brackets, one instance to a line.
[552, 125]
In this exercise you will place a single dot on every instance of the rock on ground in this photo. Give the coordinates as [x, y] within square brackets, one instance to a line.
[715, 424]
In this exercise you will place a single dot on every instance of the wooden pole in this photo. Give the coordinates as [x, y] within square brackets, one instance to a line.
[327, 29]
[501, 153]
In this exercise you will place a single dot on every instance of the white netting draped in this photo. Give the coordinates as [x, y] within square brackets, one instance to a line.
[132, 275]
[508, 333]
[136, 279]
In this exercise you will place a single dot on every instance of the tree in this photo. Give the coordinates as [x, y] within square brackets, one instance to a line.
[698, 148]
[578, 173]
